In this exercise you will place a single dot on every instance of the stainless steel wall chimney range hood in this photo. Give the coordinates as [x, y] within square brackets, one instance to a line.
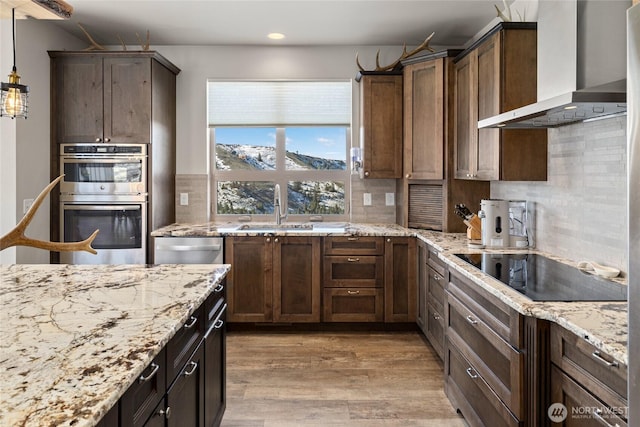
[581, 65]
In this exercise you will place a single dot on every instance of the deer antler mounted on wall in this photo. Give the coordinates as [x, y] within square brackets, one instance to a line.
[405, 55]
[16, 236]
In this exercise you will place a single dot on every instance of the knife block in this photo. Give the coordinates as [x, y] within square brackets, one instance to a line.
[474, 229]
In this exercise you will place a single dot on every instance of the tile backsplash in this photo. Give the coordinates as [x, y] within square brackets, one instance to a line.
[196, 188]
[581, 210]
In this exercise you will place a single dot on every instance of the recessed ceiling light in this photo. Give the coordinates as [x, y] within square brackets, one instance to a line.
[275, 36]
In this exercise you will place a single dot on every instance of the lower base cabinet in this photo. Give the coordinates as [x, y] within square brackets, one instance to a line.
[215, 381]
[588, 382]
[353, 305]
[471, 395]
[184, 386]
[484, 356]
[183, 404]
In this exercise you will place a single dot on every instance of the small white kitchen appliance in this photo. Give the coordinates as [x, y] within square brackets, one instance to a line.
[494, 214]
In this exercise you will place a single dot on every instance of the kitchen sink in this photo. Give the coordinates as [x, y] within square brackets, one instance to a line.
[293, 228]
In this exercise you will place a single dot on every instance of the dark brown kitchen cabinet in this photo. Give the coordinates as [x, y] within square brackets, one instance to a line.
[215, 354]
[484, 360]
[353, 279]
[586, 377]
[296, 279]
[110, 96]
[184, 342]
[141, 398]
[274, 278]
[400, 282]
[428, 190]
[424, 125]
[250, 280]
[185, 398]
[421, 302]
[497, 74]
[436, 278]
[471, 395]
[187, 373]
[381, 123]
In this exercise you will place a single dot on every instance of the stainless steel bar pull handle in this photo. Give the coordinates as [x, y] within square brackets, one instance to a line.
[192, 321]
[218, 288]
[472, 373]
[472, 320]
[193, 366]
[144, 379]
[353, 292]
[353, 259]
[596, 355]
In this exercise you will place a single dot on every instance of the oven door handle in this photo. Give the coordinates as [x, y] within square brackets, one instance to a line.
[111, 159]
[133, 207]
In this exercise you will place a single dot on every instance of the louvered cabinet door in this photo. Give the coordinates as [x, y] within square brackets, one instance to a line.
[426, 206]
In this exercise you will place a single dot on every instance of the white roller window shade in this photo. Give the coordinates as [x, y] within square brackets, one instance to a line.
[260, 103]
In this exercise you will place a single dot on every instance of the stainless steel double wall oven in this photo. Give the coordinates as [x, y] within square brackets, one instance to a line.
[104, 187]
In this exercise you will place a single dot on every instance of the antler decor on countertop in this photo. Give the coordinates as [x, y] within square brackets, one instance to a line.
[405, 55]
[16, 236]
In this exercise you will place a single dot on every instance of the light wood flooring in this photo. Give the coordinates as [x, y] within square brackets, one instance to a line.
[371, 379]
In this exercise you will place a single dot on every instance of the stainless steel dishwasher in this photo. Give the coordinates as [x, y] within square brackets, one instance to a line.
[188, 250]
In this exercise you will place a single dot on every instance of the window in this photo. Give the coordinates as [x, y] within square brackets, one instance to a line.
[294, 134]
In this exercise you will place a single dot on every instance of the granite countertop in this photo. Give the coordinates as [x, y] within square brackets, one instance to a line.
[603, 324]
[73, 338]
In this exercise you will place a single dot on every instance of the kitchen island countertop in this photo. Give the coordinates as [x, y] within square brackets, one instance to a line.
[603, 324]
[73, 338]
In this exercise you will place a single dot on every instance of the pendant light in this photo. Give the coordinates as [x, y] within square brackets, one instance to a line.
[14, 95]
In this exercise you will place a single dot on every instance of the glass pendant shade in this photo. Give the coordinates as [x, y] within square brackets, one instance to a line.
[14, 97]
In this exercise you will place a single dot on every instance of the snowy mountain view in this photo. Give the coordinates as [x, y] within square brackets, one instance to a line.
[256, 197]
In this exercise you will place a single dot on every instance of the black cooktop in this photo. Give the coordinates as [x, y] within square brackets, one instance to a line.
[544, 279]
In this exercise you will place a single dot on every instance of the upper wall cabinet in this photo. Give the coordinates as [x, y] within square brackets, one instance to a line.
[381, 123]
[494, 75]
[108, 96]
[424, 120]
[429, 190]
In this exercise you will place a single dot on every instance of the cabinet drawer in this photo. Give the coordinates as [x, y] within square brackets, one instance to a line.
[504, 320]
[353, 271]
[354, 245]
[183, 343]
[435, 289]
[578, 401]
[436, 263]
[496, 361]
[353, 305]
[595, 370]
[470, 394]
[435, 329]
[141, 398]
[212, 304]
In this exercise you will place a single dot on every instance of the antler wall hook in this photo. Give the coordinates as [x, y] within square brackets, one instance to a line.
[423, 46]
[16, 236]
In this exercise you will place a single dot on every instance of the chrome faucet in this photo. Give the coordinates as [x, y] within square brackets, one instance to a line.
[276, 206]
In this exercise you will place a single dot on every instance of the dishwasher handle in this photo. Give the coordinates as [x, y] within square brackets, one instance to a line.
[184, 248]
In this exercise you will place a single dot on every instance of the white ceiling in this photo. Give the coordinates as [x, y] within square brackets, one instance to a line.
[304, 22]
